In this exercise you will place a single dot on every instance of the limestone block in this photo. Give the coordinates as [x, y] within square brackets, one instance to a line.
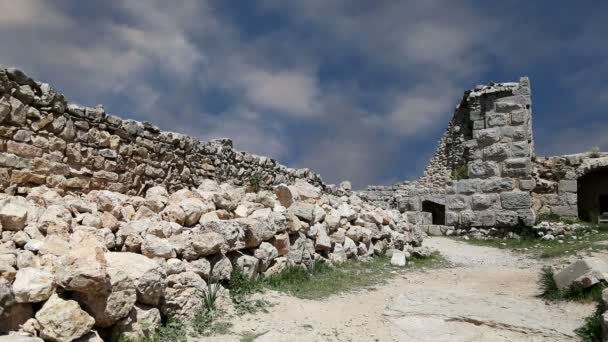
[565, 210]
[506, 218]
[568, 185]
[519, 117]
[515, 200]
[469, 218]
[467, 186]
[451, 218]
[484, 201]
[483, 169]
[497, 152]
[486, 137]
[520, 149]
[527, 184]
[457, 202]
[586, 272]
[527, 217]
[487, 218]
[497, 119]
[506, 107]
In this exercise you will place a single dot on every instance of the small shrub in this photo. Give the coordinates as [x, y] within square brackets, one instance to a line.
[255, 182]
[241, 288]
[206, 323]
[574, 293]
[595, 152]
[548, 285]
[461, 172]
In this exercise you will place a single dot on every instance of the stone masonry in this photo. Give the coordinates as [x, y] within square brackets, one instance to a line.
[46, 140]
[490, 142]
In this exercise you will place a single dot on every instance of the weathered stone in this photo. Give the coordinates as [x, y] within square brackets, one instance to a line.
[33, 285]
[203, 244]
[147, 276]
[584, 273]
[13, 213]
[285, 195]
[398, 258]
[108, 308]
[155, 247]
[142, 321]
[515, 200]
[303, 210]
[63, 320]
[84, 268]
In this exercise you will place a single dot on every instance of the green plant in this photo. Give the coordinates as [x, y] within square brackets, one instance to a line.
[171, 331]
[547, 217]
[255, 182]
[241, 288]
[461, 172]
[209, 295]
[551, 291]
[591, 330]
[250, 337]
[594, 152]
[206, 323]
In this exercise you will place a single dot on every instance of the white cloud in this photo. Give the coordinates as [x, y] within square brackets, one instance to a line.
[290, 92]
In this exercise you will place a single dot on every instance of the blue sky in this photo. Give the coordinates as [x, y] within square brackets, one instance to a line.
[358, 90]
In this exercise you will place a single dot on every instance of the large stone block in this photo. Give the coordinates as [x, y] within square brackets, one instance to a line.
[497, 184]
[486, 136]
[585, 273]
[520, 149]
[487, 218]
[469, 218]
[526, 217]
[497, 152]
[484, 201]
[568, 185]
[505, 218]
[451, 218]
[515, 200]
[565, 210]
[519, 117]
[506, 107]
[467, 186]
[483, 169]
[497, 119]
[457, 202]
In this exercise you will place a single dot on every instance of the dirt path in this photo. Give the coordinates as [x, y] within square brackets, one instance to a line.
[489, 295]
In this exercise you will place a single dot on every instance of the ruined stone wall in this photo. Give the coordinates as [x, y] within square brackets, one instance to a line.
[556, 190]
[490, 136]
[45, 140]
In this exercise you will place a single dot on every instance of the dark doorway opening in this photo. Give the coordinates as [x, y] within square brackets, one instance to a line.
[603, 203]
[592, 195]
[438, 211]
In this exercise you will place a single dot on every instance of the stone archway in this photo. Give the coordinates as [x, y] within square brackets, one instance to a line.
[592, 190]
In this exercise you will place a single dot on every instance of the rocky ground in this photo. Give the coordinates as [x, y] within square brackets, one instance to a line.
[487, 295]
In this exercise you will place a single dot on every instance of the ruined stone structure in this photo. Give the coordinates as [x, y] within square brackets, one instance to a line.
[46, 140]
[485, 176]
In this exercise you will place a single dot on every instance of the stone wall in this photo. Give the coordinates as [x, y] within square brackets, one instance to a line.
[46, 140]
[557, 189]
[490, 136]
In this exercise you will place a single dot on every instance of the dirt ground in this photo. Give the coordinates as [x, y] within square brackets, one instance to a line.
[487, 295]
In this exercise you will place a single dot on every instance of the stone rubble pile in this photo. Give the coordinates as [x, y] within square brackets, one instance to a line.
[556, 230]
[105, 265]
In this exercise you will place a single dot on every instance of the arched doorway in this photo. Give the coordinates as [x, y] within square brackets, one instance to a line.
[592, 194]
[438, 211]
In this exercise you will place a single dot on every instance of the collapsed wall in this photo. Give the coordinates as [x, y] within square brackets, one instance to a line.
[480, 177]
[119, 226]
[46, 140]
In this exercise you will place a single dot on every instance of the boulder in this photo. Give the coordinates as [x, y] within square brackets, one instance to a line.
[285, 195]
[108, 308]
[63, 320]
[303, 210]
[155, 247]
[584, 273]
[266, 253]
[84, 268]
[202, 267]
[13, 213]
[248, 265]
[147, 276]
[221, 268]
[33, 285]
[193, 209]
[398, 258]
[142, 321]
[202, 244]
[182, 297]
[305, 190]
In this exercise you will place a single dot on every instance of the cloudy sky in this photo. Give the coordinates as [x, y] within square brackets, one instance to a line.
[358, 90]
